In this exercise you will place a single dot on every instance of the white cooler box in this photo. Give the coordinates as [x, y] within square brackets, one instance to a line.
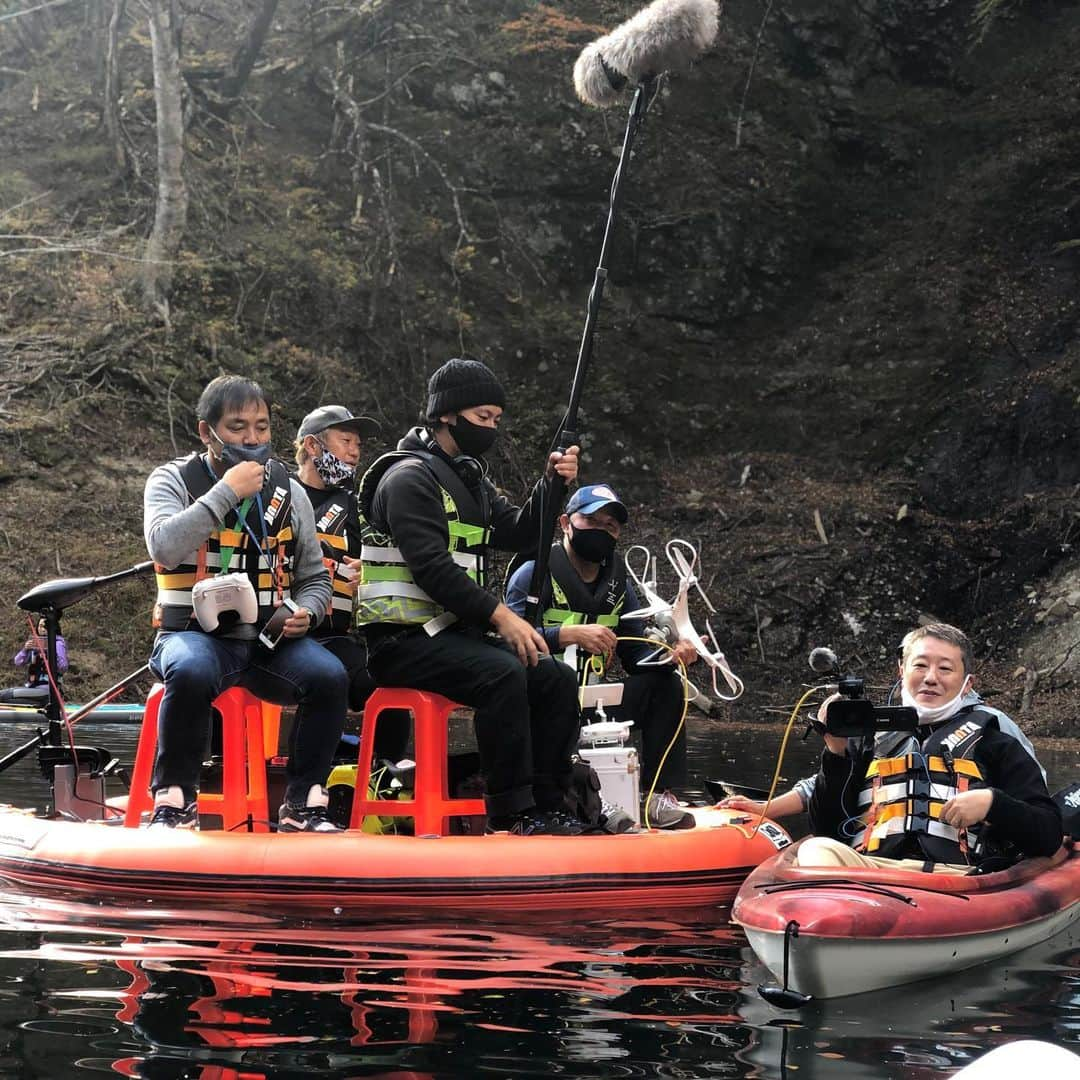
[604, 746]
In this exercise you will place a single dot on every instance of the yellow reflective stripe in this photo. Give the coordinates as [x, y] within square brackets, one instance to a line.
[385, 573]
[560, 617]
[471, 535]
[175, 581]
[961, 766]
[340, 543]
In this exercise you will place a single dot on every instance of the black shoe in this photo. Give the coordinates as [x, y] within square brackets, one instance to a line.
[175, 817]
[305, 819]
[538, 823]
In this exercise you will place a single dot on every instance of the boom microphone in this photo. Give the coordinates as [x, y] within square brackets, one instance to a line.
[665, 36]
[823, 660]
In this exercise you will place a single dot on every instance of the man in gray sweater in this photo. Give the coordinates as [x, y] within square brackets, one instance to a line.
[233, 539]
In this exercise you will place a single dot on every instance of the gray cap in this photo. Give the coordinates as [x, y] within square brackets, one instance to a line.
[329, 416]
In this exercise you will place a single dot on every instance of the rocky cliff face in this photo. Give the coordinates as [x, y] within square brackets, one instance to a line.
[844, 280]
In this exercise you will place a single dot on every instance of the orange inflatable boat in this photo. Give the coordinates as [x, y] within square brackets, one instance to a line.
[355, 872]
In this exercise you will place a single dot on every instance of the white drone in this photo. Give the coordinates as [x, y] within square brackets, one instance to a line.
[671, 622]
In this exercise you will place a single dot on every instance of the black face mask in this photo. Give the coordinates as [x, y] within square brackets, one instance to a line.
[472, 439]
[237, 453]
[592, 545]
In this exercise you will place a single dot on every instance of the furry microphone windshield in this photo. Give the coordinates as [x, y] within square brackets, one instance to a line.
[665, 36]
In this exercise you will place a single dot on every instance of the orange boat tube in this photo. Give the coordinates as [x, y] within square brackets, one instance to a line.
[355, 872]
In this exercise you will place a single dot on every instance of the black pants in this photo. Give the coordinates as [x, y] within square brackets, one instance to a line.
[392, 737]
[653, 699]
[526, 718]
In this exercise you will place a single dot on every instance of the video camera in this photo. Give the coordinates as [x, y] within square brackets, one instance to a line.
[852, 714]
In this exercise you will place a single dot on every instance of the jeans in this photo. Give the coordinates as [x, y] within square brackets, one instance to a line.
[196, 667]
[526, 718]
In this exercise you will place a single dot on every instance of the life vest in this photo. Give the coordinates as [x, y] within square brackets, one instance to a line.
[903, 793]
[332, 516]
[388, 592]
[269, 569]
[572, 602]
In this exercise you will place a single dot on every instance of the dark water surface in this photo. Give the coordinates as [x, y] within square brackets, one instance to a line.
[99, 990]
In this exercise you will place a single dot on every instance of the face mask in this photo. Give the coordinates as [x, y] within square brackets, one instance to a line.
[472, 439]
[236, 453]
[939, 712]
[333, 472]
[592, 545]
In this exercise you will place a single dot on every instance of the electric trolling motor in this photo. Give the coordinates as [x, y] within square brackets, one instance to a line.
[76, 773]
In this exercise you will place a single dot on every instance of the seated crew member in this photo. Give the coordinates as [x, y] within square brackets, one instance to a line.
[327, 454]
[797, 800]
[32, 656]
[427, 618]
[235, 509]
[962, 793]
[587, 592]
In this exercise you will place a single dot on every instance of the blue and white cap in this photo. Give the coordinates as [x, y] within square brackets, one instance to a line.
[587, 500]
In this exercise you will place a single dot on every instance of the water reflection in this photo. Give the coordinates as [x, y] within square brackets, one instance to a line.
[214, 997]
[600, 997]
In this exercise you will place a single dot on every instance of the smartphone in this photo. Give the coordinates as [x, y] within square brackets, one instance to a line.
[271, 633]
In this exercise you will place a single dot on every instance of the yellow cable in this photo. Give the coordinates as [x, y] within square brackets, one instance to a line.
[682, 718]
[780, 756]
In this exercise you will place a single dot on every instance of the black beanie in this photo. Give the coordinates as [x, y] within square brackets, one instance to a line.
[461, 384]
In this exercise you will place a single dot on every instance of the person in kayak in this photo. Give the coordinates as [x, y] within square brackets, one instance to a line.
[586, 593]
[960, 794]
[229, 527]
[428, 620]
[327, 450]
[32, 656]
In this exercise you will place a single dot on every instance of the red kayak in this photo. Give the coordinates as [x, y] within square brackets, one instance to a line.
[845, 931]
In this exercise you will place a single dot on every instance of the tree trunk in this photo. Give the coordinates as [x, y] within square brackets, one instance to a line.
[111, 94]
[170, 217]
[249, 52]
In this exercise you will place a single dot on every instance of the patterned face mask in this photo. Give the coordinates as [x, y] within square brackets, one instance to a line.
[333, 472]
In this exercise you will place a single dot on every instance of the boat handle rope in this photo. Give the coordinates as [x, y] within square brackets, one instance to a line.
[869, 886]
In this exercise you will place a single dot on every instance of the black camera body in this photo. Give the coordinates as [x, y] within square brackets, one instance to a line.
[852, 714]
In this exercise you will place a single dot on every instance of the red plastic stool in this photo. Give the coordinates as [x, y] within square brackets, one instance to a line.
[248, 724]
[431, 806]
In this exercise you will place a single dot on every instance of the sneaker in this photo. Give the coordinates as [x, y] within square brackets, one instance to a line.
[664, 811]
[175, 817]
[535, 822]
[310, 818]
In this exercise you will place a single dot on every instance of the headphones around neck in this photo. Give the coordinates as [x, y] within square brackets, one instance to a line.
[471, 470]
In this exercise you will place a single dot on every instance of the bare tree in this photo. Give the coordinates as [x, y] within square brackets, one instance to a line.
[122, 157]
[170, 217]
[248, 53]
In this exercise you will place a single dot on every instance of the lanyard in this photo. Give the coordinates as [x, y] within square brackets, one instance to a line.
[243, 523]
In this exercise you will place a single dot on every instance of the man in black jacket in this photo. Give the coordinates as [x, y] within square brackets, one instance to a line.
[960, 793]
[429, 622]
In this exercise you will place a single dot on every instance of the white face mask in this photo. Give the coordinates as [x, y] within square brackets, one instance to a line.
[937, 713]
